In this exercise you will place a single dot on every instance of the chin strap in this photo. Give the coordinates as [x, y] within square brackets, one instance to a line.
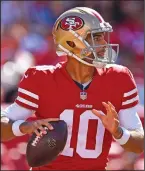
[95, 64]
[74, 56]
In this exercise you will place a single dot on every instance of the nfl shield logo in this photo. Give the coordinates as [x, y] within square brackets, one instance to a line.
[83, 95]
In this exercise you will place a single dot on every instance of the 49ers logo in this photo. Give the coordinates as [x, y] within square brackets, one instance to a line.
[71, 23]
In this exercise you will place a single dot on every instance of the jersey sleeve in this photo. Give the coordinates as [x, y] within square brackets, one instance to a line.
[127, 115]
[28, 92]
[130, 96]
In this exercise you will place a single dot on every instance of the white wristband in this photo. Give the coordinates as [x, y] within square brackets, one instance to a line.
[15, 128]
[125, 137]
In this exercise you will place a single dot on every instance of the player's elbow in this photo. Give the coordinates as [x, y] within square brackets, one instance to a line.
[141, 147]
[6, 132]
[4, 136]
[139, 150]
[5, 139]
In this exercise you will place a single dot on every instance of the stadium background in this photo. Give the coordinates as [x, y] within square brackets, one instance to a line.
[26, 40]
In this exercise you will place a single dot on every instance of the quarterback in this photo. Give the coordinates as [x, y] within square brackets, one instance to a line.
[95, 97]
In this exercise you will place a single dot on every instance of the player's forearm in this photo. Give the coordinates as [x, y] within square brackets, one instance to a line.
[135, 143]
[6, 129]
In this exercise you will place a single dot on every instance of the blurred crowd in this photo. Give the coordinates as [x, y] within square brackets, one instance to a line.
[26, 37]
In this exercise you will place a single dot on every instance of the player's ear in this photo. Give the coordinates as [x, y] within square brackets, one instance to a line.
[71, 44]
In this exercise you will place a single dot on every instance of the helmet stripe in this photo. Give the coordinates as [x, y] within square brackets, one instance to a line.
[98, 16]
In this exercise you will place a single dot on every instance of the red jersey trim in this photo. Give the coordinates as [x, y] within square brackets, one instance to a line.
[25, 103]
[28, 98]
[130, 101]
[129, 93]
[130, 105]
[130, 97]
[35, 96]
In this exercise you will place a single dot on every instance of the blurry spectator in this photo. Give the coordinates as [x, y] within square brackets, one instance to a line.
[10, 12]
[41, 13]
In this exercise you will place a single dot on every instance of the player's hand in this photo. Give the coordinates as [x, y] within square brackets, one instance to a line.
[33, 126]
[110, 120]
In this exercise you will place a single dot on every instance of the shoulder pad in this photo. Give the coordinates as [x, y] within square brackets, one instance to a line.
[116, 68]
[46, 68]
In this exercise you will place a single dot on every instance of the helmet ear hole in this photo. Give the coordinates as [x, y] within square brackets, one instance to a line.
[71, 44]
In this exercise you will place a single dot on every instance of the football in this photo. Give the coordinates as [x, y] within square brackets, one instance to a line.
[43, 149]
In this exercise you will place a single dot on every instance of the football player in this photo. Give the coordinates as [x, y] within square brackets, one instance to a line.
[94, 96]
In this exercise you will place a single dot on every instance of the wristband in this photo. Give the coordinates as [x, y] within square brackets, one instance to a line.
[15, 127]
[125, 137]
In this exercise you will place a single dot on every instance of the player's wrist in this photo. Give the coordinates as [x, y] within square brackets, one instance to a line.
[118, 133]
[24, 127]
[17, 129]
[124, 138]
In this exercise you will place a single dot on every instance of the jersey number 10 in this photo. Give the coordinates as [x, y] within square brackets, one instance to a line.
[67, 116]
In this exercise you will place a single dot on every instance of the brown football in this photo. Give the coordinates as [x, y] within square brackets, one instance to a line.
[41, 150]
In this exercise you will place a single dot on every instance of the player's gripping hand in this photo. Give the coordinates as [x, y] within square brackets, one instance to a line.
[110, 120]
[29, 127]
